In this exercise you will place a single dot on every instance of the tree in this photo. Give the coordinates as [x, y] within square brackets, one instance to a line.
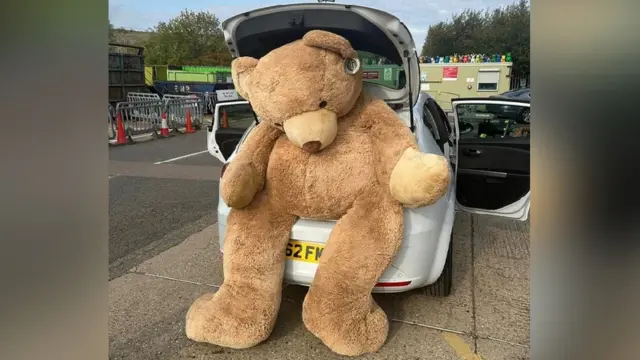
[111, 31]
[189, 39]
[502, 30]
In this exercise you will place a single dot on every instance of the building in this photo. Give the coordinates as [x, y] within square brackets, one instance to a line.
[446, 81]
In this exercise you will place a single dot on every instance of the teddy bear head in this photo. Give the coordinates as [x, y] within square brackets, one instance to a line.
[302, 88]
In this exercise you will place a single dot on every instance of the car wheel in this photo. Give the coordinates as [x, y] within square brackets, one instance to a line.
[525, 116]
[442, 286]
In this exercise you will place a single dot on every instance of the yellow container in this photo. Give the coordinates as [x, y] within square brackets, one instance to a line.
[155, 72]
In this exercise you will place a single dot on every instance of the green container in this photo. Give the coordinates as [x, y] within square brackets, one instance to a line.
[188, 76]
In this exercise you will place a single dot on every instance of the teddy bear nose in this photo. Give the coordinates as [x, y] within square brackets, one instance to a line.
[312, 146]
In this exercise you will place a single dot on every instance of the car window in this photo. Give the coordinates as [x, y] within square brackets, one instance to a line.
[237, 116]
[430, 122]
[483, 121]
[443, 118]
[377, 69]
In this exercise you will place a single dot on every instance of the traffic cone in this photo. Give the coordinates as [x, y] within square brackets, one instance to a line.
[122, 136]
[225, 120]
[189, 126]
[164, 127]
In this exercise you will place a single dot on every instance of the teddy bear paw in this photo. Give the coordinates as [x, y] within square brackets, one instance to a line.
[419, 179]
[239, 184]
[221, 320]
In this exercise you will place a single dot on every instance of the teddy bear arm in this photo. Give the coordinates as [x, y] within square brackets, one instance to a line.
[415, 179]
[390, 138]
[246, 174]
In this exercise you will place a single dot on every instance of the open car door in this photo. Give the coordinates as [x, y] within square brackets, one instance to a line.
[231, 119]
[492, 156]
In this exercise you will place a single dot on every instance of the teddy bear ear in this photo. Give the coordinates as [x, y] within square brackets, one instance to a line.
[330, 41]
[241, 70]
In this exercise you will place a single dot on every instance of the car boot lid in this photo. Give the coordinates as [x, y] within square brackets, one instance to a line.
[255, 33]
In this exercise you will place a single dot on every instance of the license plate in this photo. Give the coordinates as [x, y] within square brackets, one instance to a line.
[304, 251]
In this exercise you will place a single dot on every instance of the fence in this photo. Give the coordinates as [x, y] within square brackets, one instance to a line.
[134, 96]
[111, 130]
[520, 81]
[140, 117]
[143, 114]
[178, 107]
[208, 100]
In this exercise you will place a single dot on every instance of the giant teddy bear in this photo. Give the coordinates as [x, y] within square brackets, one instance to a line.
[323, 150]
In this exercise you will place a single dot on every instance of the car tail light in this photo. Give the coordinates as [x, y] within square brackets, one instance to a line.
[393, 284]
[224, 167]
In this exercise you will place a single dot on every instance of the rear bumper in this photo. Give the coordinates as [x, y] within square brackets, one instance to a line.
[419, 261]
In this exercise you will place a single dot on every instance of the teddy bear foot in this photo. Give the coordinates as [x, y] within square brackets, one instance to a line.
[224, 320]
[350, 336]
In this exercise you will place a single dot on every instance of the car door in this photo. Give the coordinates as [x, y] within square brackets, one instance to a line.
[492, 162]
[440, 123]
[230, 122]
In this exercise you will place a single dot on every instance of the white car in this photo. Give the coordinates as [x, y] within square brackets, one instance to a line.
[489, 154]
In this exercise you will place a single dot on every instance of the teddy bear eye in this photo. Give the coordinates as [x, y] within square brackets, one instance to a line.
[351, 66]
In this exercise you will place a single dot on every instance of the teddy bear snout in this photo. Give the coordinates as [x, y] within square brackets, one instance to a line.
[312, 131]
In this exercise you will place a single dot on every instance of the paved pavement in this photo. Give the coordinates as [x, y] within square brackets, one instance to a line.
[163, 224]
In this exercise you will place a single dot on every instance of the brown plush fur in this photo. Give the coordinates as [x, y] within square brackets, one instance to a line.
[324, 150]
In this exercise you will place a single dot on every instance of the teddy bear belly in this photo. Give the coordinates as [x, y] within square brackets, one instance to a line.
[322, 185]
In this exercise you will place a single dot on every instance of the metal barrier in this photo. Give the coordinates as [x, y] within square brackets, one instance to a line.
[141, 117]
[145, 116]
[136, 97]
[173, 96]
[177, 107]
[111, 127]
[207, 99]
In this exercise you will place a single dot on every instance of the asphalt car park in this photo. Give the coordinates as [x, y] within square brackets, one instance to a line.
[160, 192]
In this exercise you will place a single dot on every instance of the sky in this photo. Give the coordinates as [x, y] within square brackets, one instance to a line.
[416, 14]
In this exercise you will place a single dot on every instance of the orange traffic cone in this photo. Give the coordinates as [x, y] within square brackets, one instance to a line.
[122, 136]
[225, 120]
[164, 127]
[189, 125]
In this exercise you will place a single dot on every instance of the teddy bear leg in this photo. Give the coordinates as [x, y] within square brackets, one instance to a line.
[242, 313]
[338, 307]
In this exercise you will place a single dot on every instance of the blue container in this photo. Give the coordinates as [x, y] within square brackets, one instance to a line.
[181, 88]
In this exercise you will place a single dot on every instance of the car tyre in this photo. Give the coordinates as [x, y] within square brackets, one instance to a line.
[442, 286]
[525, 116]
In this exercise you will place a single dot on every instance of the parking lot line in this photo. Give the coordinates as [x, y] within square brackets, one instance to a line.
[180, 157]
[460, 347]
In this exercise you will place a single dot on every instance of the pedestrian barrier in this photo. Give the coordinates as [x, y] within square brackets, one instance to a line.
[140, 117]
[111, 130]
[136, 96]
[208, 101]
[156, 117]
[184, 109]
